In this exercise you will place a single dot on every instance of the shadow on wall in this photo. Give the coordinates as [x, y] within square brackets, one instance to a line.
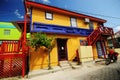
[38, 59]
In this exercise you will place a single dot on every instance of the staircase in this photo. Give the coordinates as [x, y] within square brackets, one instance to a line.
[97, 33]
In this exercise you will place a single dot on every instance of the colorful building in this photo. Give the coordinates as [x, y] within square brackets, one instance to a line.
[74, 32]
[8, 32]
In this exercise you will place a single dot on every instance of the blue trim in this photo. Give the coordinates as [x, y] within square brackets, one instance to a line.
[48, 28]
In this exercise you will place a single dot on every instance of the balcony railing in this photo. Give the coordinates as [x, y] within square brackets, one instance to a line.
[100, 31]
[48, 28]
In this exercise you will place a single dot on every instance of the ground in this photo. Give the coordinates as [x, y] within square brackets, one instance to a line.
[87, 71]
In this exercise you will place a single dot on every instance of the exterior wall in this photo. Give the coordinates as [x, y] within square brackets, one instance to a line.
[58, 19]
[39, 59]
[14, 34]
[39, 16]
[95, 54]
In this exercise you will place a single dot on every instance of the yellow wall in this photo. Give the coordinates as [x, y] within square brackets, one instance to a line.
[58, 19]
[39, 59]
[95, 54]
[39, 16]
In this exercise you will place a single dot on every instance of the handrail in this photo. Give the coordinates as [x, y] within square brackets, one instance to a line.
[97, 32]
[92, 37]
[13, 46]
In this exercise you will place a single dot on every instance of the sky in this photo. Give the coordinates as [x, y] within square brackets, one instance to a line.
[105, 9]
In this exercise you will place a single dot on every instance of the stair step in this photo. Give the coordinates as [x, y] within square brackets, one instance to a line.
[64, 63]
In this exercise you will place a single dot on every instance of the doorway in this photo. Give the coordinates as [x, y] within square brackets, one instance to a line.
[62, 49]
[100, 49]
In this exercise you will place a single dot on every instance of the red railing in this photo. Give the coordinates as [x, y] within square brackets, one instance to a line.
[12, 65]
[13, 58]
[94, 36]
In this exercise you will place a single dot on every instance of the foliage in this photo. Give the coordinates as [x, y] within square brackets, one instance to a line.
[40, 39]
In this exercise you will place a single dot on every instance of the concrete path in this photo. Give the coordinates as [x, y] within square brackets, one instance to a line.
[70, 74]
[87, 71]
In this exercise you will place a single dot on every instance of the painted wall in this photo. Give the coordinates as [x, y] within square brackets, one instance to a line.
[14, 34]
[95, 54]
[39, 59]
[58, 19]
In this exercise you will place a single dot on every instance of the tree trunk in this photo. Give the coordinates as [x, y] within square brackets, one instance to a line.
[49, 60]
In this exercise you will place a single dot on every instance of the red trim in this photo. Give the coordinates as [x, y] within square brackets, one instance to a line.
[59, 10]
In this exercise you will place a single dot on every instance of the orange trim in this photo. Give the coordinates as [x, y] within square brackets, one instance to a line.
[59, 10]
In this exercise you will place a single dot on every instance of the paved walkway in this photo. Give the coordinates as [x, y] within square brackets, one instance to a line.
[87, 71]
[70, 74]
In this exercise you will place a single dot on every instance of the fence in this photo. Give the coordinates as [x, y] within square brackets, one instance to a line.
[12, 59]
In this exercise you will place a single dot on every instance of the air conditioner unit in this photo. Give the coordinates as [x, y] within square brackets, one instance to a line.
[87, 20]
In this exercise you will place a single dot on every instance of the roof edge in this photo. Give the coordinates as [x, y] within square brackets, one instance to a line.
[63, 11]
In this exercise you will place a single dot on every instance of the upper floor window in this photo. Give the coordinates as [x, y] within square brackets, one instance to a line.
[73, 22]
[6, 32]
[91, 25]
[49, 15]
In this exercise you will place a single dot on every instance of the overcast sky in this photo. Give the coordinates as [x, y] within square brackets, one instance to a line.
[13, 10]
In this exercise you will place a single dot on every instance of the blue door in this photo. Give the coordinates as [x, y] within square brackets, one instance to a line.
[99, 49]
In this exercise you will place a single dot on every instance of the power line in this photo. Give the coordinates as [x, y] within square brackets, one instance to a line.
[77, 11]
[103, 15]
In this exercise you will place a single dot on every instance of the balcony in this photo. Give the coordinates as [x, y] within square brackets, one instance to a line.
[66, 30]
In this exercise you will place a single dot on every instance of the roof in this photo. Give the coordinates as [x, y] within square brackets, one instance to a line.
[62, 11]
[6, 25]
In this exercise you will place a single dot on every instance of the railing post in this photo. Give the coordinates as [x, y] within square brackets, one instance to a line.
[23, 65]
[24, 46]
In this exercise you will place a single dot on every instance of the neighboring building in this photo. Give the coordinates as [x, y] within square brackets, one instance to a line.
[73, 31]
[8, 32]
[117, 37]
[117, 40]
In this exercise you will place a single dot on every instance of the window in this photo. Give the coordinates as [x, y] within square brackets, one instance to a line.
[91, 25]
[49, 15]
[6, 32]
[73, 22]
[0, 42]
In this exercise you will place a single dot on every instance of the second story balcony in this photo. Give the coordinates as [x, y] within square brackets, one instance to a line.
[56, 29]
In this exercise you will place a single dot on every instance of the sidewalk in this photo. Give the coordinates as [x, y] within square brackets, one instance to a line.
[67, 72]
[58, 73]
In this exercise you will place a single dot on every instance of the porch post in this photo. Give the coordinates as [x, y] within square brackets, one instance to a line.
[113, 40]
[25, 27]
[23, 46]
[103, 49]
